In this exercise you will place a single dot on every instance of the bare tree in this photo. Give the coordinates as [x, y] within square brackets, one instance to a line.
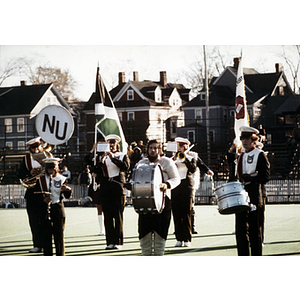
[62, 79]
[12, 68]
[292, 61]
[216, 63]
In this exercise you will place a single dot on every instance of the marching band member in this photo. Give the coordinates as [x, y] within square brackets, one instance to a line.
[183, 194]
[94, 189]
[202, 168]
[253, 169]
[29, 168]
[51, 188]
[157, 225]
[114, 165]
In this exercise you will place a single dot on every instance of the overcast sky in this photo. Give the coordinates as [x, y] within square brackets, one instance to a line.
[148, 60]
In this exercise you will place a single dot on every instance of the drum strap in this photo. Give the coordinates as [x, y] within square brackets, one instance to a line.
[104, 168]
[240, 165]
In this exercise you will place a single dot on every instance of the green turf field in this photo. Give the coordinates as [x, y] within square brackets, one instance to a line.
[215, 233]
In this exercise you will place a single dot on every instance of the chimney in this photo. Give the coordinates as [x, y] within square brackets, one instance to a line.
[23, 82]
[163, 78]
[235, 63]
[135, 76]
[121, 77]
[278, 67]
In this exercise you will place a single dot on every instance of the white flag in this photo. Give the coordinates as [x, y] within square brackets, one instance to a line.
[241, 114]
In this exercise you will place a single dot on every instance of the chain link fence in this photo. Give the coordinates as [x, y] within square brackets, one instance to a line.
[278, 192]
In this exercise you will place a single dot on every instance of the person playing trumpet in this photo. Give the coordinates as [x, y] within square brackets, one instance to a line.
[183, 194]
[30, 168]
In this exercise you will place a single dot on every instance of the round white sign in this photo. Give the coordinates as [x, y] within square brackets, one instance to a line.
[54, 124]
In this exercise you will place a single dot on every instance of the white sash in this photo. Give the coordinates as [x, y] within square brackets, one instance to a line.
[113, 169]
[250, 161]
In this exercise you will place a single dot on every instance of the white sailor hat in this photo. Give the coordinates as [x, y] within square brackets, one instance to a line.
[34, 141]
[112, 137]
[51, 161]
[182, 140]
[248, 129]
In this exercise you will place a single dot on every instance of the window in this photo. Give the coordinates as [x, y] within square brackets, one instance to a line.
[9, 145]
[130, 116]
[174, 127]
[20, 125]
[130, 95]
[191, 136]
[50, 100]
[198, 114]
[202, 96]
[21, 145]
[175, 102]
[8, 125]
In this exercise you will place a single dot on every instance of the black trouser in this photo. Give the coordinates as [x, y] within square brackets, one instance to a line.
[154, 222]
[34, 211]
[182, 201]
[113, 201]
[248, 228]
[54, 227]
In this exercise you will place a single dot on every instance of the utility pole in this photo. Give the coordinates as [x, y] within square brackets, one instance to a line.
[207, 107]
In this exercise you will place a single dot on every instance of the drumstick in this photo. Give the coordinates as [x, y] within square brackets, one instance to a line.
[112, 180]
[48, 193]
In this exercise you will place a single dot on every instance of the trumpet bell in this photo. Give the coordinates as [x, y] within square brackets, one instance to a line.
[180, 156]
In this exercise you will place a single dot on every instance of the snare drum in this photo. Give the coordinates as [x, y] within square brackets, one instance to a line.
[232, 198]
[146, 194]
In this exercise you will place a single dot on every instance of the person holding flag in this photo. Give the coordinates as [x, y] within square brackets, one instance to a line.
[253, 170]
[114, 164]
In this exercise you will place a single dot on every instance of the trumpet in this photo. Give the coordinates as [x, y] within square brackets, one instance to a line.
[181, 156]
[30, 181]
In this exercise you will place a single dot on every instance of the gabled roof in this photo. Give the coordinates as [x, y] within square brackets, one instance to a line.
[90, 104]
[20, 100]
[222, 88]
[146, 90]
[219, 95]
[291, 105]
[262, 84]
[270, 106]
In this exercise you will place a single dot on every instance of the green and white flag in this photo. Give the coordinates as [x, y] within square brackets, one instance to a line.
[107, 120]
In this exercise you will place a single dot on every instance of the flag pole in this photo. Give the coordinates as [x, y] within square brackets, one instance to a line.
[207, 107]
